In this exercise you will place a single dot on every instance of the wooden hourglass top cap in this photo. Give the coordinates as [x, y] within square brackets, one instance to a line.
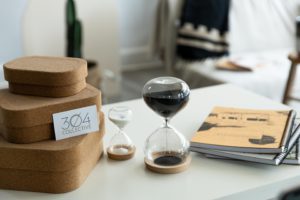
[45, 70]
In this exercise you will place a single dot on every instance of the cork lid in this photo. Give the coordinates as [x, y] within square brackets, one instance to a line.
[50, 155]
[45, 70]
[27, 111]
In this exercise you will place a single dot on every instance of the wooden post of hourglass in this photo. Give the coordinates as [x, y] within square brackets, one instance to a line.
[295, 60]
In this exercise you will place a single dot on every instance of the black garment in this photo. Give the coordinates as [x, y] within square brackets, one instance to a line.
[202, 30]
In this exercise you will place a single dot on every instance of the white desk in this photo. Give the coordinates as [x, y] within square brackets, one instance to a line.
[205, 178]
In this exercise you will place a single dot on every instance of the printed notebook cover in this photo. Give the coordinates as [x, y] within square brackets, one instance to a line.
[245, 128]
[291, 158]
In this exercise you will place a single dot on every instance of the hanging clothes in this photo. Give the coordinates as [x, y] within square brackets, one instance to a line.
[203, 29]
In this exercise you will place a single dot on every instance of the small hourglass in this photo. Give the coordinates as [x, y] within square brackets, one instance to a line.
[121, 146]
[166, 150]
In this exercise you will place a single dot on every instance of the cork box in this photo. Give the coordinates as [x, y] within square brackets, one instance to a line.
[46, 76]
[50, 166]
[28, 119]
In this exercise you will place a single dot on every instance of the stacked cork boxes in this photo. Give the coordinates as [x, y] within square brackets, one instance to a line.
[31, 158]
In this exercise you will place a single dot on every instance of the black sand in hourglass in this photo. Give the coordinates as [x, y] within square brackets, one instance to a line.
[168, 159]
[167, 104]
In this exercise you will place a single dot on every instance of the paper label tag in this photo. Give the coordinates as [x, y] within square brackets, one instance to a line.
[75, 122]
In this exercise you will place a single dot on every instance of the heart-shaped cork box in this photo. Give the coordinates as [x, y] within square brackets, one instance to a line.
[46, 76]
[50, 166]
[28, 119]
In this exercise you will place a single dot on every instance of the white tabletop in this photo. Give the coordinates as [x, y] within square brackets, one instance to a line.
[204, 179]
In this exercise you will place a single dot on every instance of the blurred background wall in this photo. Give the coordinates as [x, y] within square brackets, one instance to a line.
[137, 24]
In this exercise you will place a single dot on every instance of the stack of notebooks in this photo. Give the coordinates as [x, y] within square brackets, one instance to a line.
[262, 136]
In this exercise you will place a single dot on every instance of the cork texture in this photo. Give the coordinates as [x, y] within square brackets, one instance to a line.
[51, 155]
[50, 166]
[20, 111]
[27, 135]
[45, 71]
[47, 91]
[50, 182]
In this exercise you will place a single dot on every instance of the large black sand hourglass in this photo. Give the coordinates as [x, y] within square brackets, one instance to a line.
[166, 150]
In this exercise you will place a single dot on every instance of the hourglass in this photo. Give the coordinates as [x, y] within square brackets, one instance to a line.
[121, 146]
[166, 150]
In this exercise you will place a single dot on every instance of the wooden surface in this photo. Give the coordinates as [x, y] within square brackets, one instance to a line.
[294, 57]
[295, 60]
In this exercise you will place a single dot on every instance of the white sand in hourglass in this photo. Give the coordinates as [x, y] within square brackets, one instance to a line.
[121, 146]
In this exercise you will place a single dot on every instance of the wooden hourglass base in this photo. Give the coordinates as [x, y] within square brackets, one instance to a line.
[129, 152]
[171, 169]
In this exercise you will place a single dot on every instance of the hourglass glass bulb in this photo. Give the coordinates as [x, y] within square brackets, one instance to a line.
[166, 150]
[120, 147]
[120, 116]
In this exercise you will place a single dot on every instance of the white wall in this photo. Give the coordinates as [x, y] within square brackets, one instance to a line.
[137, 22]
[112, 30]
[262, 25]
[44, 32]
[11, 13]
